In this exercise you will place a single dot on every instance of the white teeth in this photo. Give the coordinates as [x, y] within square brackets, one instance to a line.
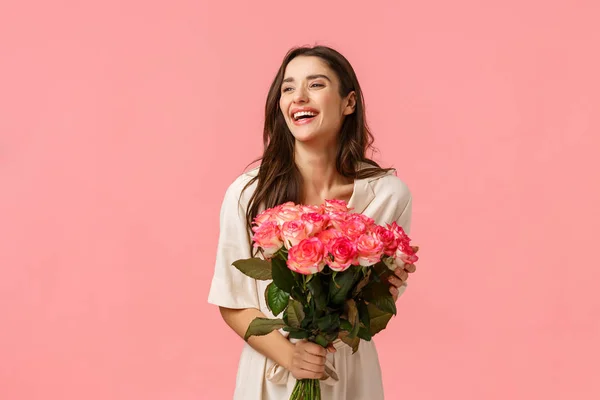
[302, 113]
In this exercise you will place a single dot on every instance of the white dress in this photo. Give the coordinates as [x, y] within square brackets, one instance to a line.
[352, 376]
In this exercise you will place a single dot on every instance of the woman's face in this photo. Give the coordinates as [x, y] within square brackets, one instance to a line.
[310, 101]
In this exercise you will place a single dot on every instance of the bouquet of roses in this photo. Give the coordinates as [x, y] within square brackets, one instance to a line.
[329, 270]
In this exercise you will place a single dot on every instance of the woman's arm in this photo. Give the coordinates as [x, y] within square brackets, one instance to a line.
[274, 345]
[304, 360]
[238, 299]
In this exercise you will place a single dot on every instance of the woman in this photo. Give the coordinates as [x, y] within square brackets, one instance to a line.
[316, 139]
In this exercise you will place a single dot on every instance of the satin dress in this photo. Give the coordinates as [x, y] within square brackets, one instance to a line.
[350, 376]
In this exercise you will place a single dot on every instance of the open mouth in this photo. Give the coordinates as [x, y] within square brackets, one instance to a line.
[303, 117]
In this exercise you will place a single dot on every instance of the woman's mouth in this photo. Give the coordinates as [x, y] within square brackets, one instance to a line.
[303, 117]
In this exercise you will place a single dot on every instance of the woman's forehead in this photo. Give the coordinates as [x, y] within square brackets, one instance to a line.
[303, 66]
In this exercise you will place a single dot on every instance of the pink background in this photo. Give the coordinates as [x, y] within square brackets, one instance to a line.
[122, 123]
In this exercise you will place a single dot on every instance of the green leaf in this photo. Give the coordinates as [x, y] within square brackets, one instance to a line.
[378, 319]
[282, 275]
[331, 336]
[306, 323]
[329, 322]
[363, 314]
[378, 293]
[365, 321]
[254, 268]
[352, 342]
[263, 326]
[352, 313]
[341, 285]
[298, 295]
[277, 299]
[363, 333]
[363, 282]
[386, 303]
[288, 328]
[321, 340]
[382, 270]
[295, 313]
[315, 286]
[299, 335]
[345, 325]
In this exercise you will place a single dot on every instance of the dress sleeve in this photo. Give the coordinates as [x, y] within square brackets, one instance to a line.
[230, 288]
[405, 216]
[404, 221]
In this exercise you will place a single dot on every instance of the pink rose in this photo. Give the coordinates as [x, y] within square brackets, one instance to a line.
[308, 257]
[337, 219]
[370, 249]
[268, 238]
[328, 235]
[263, 217]
[287, 212]
[398, 231]
[387, 237]
[354, 228]
[344, 253]
[293, 232]
[315, 222]
[404, 253]
[334, 205]
[368, 221]
[311, 209]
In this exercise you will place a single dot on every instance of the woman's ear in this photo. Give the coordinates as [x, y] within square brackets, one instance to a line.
[350, 103]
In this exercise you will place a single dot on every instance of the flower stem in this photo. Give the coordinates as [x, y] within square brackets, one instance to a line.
[306, 389]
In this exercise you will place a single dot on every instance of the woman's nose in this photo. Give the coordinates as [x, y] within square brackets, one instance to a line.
[300, 95]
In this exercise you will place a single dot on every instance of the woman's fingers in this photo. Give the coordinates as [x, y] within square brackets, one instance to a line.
[316, 368]
[312, 359]
[400, 276]
[401, 273]
[305, 370]
[315, 349]
[306, 374]
[395, 281]
[309, 370]
[308, 361]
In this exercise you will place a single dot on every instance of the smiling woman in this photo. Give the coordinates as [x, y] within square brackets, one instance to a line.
[315, 144]
[319, 122]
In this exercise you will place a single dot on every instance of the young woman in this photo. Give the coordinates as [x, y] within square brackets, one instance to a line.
[315, 144]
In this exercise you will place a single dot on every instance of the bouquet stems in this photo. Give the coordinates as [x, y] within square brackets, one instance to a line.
[307, 389]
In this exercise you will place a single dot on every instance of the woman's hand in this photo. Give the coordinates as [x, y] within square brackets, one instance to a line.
[308, 360]
[400, 276]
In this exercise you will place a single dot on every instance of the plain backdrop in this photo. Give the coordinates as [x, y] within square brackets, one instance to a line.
[123, 122]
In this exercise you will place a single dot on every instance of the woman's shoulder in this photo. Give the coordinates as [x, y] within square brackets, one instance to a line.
[390, 185]
[239, 189]
[392, 198]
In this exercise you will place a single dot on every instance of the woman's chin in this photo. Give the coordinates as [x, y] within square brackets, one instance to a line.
[305, 137]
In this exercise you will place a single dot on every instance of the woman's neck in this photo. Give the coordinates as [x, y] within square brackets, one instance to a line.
[321, 179]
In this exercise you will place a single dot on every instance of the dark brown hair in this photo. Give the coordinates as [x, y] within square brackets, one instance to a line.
[279, 179]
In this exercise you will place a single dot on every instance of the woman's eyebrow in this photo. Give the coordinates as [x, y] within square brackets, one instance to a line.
[290, 79]
[318, 76]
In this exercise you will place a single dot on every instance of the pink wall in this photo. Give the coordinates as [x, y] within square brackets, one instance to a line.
[121, 125]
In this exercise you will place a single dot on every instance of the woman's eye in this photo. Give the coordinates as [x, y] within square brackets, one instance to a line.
[317, 85]
[287, 89]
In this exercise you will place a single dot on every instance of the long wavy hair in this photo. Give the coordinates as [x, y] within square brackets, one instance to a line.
[278, 179]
